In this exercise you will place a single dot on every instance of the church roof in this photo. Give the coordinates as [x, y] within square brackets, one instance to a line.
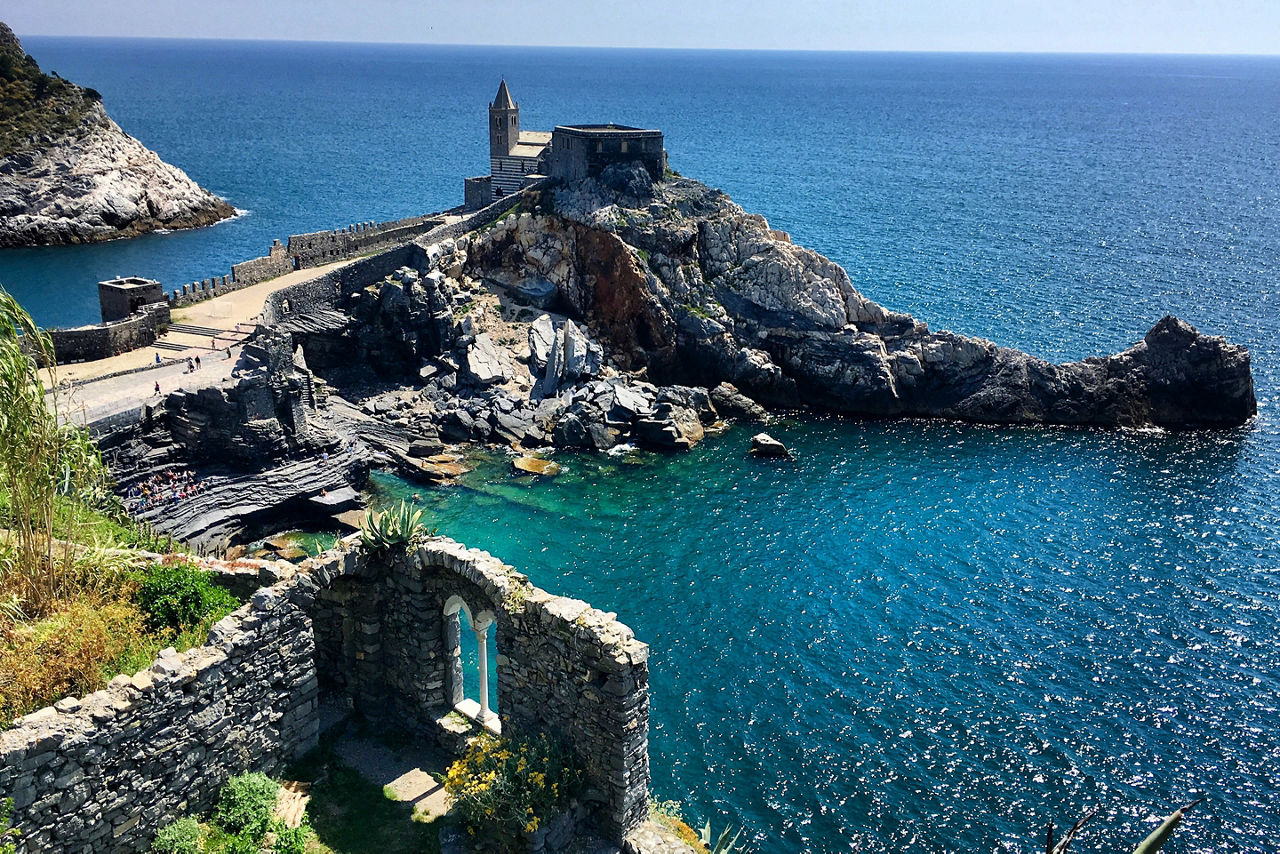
[502, 101]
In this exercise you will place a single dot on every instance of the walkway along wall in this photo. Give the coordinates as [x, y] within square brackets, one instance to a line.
[306, 250]
[327, 291]
[105, 772]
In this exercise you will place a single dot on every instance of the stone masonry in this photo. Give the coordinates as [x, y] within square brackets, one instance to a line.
[385, 638]
[105, 772]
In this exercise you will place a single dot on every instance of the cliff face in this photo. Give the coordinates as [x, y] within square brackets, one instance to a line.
[685, 284]
[69, 174]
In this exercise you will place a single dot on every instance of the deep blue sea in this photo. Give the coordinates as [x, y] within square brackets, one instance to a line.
[919, 636]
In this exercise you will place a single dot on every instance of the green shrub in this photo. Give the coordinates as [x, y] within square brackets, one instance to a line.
[504, 787]
[245, 805]
[292, 840]
[8, 835]
[178, 596]
[242, 843]
[180, 837]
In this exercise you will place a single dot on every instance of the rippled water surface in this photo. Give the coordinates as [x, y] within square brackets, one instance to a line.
[918, 636]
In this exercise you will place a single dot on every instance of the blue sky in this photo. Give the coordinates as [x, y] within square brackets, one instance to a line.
[1159, 26]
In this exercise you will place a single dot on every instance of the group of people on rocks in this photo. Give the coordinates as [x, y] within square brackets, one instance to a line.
[168, 486]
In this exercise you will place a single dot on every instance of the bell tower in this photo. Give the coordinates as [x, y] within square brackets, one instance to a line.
[504, 123]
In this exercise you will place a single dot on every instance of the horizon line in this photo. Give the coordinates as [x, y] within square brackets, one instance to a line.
[940, 51]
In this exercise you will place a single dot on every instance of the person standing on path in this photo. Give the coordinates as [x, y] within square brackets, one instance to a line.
[157, 388]
[197, 363]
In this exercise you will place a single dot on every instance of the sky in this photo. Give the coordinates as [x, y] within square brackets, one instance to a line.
[1124, 26]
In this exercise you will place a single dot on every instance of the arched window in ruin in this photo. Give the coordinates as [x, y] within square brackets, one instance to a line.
[470, 644]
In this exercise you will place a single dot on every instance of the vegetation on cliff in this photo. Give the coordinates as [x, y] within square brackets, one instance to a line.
[80, 599]
[35, 105]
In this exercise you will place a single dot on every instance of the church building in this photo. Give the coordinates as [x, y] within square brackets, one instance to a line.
[519, 158]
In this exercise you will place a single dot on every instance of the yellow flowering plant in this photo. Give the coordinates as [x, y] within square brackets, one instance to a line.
[503, 788]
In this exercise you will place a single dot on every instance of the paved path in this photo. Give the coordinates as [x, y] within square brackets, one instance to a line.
[222, 313]
[102, 398]
[97, 395]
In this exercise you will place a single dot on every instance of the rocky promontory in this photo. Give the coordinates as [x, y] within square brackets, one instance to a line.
[681, 283]
[69, 174]
[605, 314]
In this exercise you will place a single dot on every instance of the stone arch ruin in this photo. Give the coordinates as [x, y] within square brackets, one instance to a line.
[104, 772]
[387, 628]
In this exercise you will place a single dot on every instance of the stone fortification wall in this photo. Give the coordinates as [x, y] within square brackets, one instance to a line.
[86, 343]
[306, 250]
[275, 263]
[325, 247]
[323, 291]
[103, 773]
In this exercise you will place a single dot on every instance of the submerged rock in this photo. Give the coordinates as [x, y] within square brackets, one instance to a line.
[536, 465]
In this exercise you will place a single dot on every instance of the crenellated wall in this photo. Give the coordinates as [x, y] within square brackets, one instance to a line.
[105, 772]
[306, 250]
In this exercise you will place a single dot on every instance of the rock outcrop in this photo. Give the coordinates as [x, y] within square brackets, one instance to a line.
[260, 415]
[678, 281]
[69, 174]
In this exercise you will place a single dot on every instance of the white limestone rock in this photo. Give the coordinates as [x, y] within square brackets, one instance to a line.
[97, 183]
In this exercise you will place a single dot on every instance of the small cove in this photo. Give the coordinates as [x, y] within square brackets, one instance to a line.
[917, 621]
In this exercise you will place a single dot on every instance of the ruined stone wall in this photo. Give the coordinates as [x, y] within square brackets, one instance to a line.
[275, 263]
[563, 667]
[103, 773]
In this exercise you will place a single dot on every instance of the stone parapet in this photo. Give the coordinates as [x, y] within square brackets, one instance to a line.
[104, 772]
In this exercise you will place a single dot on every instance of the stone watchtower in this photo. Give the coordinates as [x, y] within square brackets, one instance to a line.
[504, 123]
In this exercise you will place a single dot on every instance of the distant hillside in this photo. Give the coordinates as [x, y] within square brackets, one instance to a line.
[35, 105]
[69, 174]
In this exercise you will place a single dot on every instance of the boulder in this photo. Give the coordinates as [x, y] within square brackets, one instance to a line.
[732, 403]
[485, 363]
[764, 445]
[542, 337]
[425, 447]
[671, 427]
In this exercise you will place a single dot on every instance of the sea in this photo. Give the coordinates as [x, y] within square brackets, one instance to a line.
[919, 635]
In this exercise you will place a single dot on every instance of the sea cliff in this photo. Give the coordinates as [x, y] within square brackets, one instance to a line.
[69, 174]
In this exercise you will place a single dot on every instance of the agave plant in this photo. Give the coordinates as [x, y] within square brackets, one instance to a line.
[1153, 843]
[395, 526]
[724, 843]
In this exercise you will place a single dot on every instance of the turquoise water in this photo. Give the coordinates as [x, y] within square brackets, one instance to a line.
[917, 636]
